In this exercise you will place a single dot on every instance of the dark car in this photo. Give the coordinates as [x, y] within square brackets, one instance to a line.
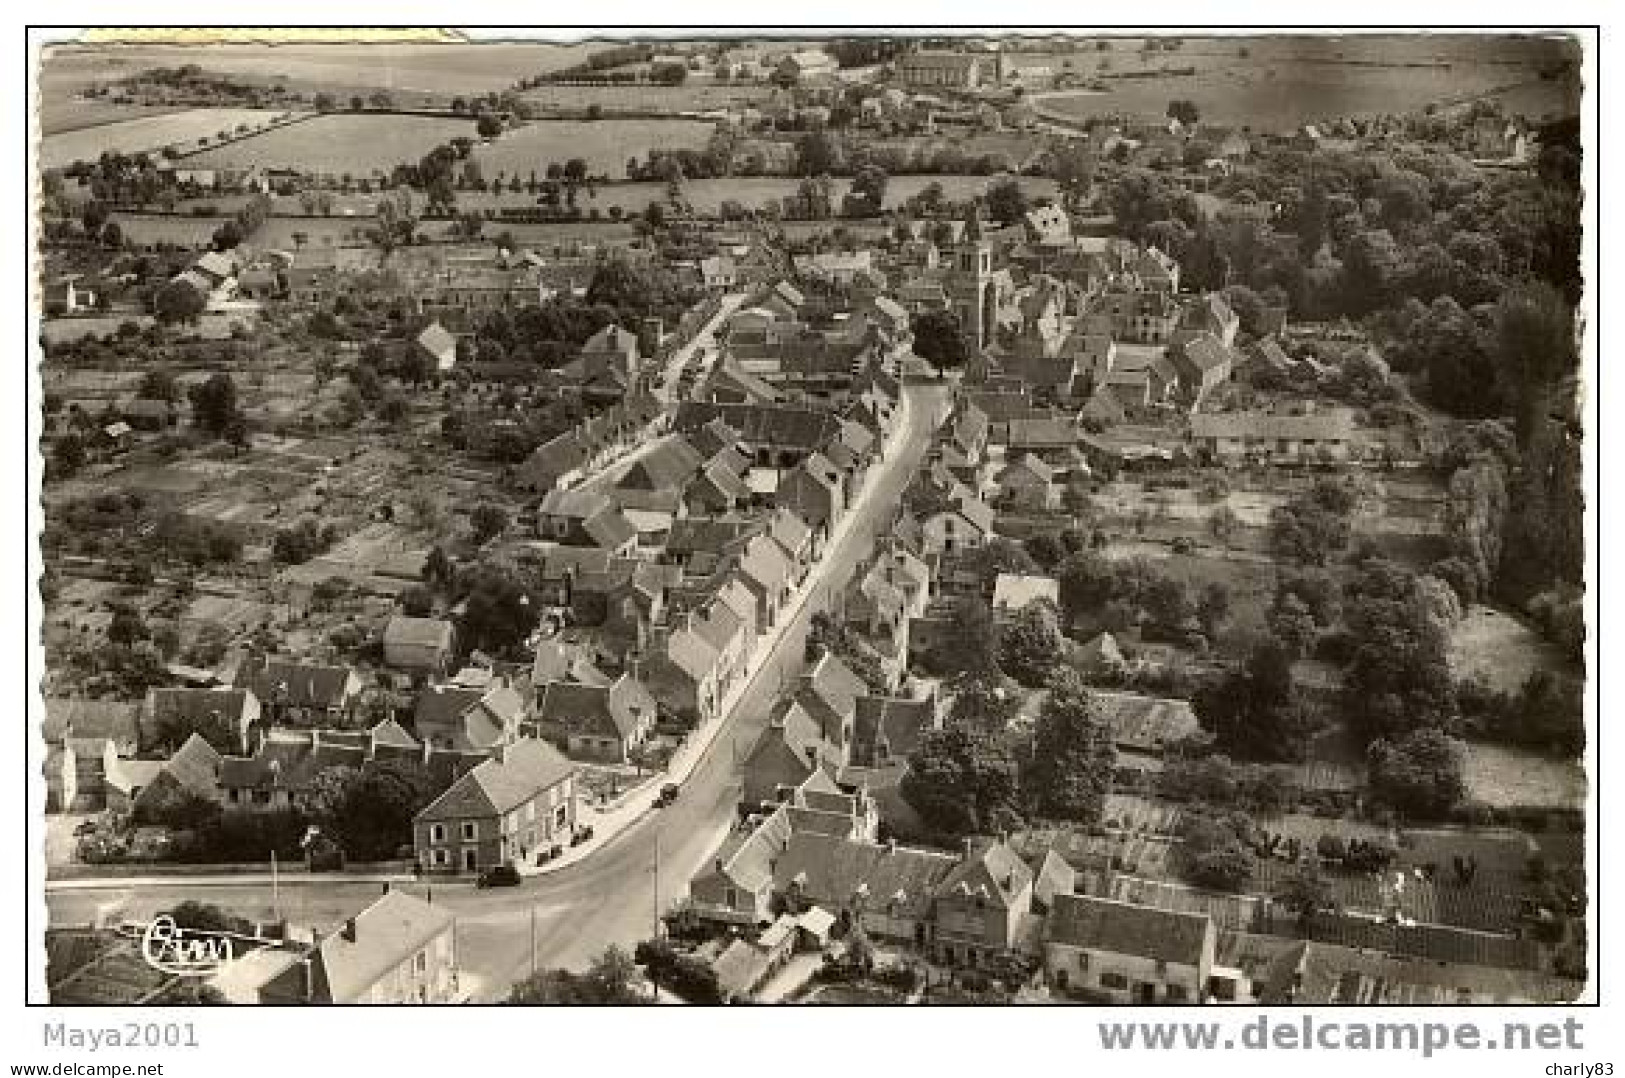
[582, 834]
[668, 794]
[499, 876]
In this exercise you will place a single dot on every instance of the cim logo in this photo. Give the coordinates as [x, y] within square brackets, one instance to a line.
[186, 952]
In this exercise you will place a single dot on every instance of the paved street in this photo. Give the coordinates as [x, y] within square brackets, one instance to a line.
[610, 897]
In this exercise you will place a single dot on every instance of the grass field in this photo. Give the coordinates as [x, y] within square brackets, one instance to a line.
[151, 132]
[693, 96]
[606, 144]
[437, 69]
[359, 144]
[1498, 648]
[1283, 82]
[1504, 776]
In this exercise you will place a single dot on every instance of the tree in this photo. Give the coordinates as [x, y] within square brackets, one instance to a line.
[1069, 772]
[1256, 711]
[214, 404]
[818, 153]
[369, 810]
[1186, 112]
[939, 339]
[611, 980]
[1307, 892]
[983, 704]
[1213, 851]
[489, 521]
[126, 626]
[178, 301]
[1397, 678]
[1030, 644]
[869, 184]
[488, 125]
[974, 646]
[1419, 774]
[158, 385]
[962, 782]
[1006, 202]
[499, 612]
[68, 454]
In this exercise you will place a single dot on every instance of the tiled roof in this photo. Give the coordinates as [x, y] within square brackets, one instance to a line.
[1106, 925]
[515, 775]
[835, 871]
[992, 871]
[418, 632]
[896, 722]
[385, 935]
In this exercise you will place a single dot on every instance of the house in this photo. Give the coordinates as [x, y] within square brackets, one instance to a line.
[64, 295]
[967, 523]
[682, 675]
[142, 786]
[1123, 953]
[83, 739]
[1014, 592]
[1143, 727]
[1211, 314]
[784, 755]
[829, 692]
[232, 717]
[816, 492]
[438, 345]
[1316, 437]
[1141, 377]
[889, 889]
[519, 801]
[1048, 223]
[1028, 484]
[764, 568]
[739, 886]
[806, 65]
[982, 905]
[886, 730]
[582, 518]
[558, 463]
[283, 770]
[418, 645]
[795, 539]
[476, 712]
[605, 723]
[932, 69]
[294, 693]
[399, 950]
[1266, 356]
[150, 415]
[1203, 362]
[1100, 657]
[609, 363]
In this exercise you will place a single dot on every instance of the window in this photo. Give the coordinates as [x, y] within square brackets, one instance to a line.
[1176, 993]
[561, 816]
[469, 831]
[439, 857]
[420, 961]
[1113, 980]
[437, 832]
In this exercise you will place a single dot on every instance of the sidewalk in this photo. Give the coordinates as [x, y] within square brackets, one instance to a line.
[221, 879]
[636, 805]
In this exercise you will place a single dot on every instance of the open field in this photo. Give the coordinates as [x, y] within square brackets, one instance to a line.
[1504, 776]
[181, 129]
[433, 69]
[359, 144]
[1499, 649]
[606, 144]
[692, 96]
[1283, 82]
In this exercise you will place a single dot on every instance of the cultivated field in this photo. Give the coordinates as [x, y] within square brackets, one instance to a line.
[437, 69]
[359, 144]
[179, 129]
[605, 144]
[1285, 82]
[692, 96]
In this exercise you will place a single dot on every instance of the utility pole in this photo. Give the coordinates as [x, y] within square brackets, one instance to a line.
[276, 903]
[533, 941]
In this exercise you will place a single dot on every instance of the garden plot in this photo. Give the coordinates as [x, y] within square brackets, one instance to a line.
[1498, 649]
[1507, 777]
[604, 144]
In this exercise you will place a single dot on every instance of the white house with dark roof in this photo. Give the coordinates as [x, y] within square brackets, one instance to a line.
[1118, 952]
[418, 645]
[399, 950]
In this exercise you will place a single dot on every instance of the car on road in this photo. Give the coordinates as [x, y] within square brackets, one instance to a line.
[668, 794]
[498, 876]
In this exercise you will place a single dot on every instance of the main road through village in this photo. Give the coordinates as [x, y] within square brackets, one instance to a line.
[566, 917]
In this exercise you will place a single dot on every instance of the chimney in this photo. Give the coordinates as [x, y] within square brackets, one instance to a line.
[348, 931]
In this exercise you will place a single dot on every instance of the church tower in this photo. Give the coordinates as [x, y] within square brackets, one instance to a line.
[973, 291]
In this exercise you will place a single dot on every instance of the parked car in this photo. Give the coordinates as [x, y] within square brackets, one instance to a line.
[582, 834]
[555, 851]
[543, 856]
[668, 794]
[498, 876]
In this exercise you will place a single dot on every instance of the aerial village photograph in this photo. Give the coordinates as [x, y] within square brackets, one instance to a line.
[1075, 518]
